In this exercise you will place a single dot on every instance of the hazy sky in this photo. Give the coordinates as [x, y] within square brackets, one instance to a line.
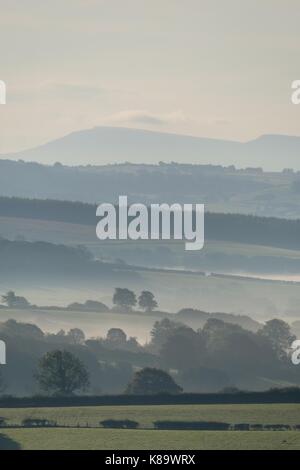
[216, 68]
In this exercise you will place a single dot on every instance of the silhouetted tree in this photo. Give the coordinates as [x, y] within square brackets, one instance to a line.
[124, 298]
[76, 336]
[163, 329]
[116, 336]
[62, 373]
[233, 349]
[14, 301]
[151, 381]
[147, 301]
[278, 333]
[24, 330]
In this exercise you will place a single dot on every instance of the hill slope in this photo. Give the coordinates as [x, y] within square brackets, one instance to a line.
[220, 189]
[104, 145]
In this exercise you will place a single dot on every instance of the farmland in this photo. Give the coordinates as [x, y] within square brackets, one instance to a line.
[77, 427]
[111, 439]
[145, 415]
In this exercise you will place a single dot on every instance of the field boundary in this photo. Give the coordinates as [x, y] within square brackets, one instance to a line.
[268, 397]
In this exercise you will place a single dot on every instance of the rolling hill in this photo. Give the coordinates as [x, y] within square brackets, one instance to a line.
[249, 191]
[105, 145]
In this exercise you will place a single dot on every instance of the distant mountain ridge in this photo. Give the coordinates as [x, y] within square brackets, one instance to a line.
[104, 145]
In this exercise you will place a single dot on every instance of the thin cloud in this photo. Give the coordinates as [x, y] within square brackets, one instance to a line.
[147, 117]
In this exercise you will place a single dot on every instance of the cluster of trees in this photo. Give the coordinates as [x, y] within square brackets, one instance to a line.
[123, 299]
[14, 301]
[274, 339]
[225, 347]
[116, 338]
[62, 373]
[218, 356]
[126, 299]
[221, 354]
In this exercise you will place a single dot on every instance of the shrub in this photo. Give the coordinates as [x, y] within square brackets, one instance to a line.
[119, 423]
[192, 425]
[277, 427]
[256, 427]
[241, 427]
[2, 422]
[40, 423]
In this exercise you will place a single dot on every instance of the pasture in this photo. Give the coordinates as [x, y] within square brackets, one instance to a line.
[78, 427]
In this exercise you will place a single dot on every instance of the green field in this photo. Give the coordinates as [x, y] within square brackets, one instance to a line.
[111, 439]
[146, 437]
[146, 414]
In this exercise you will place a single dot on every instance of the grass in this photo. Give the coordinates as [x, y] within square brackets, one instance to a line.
[111, 439]
[146, 414]
[146, 437]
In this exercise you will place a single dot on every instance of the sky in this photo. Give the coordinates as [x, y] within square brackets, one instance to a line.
[211, 68]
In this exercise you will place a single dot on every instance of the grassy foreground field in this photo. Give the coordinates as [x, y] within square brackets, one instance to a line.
[146, 437]
[112, 439]
[146, 414]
